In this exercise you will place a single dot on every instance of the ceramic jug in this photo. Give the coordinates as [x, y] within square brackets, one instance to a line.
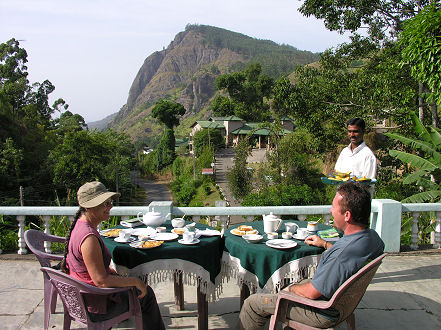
[271, 223]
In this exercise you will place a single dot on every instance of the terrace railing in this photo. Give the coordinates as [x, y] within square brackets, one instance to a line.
[385, 218]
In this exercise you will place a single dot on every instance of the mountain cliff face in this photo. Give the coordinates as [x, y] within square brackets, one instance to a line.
[186, 72]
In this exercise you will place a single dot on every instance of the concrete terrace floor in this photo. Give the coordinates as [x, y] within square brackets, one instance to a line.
[405, 294]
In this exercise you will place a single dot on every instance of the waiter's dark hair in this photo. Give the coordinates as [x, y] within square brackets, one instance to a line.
[357, 122]
[357, 200]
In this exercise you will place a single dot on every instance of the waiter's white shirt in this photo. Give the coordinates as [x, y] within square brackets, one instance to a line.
[360, 162]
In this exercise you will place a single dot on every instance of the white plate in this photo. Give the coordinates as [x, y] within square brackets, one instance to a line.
[281, 243]
[164, 236]
[137, 245]
[298, 237]
[195, 241]
[132, 222]
[143, 231]
[119, 240]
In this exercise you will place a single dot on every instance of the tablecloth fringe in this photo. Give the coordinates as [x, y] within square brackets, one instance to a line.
[296, 276]
[232, 271]
[211, 291]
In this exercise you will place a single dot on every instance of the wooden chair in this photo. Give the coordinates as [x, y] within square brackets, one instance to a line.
[35, 241]
[345, 299]
[72, 293]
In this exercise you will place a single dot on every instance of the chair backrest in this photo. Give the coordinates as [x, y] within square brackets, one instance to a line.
[72, 292]
[347, 297]
[35, 241]
[69, 290]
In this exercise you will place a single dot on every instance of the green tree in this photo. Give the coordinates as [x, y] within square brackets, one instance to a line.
[421, 42]
[92, 155]
[168, 112]
[378, 15]
[427, 170]
[208, 137]
[248, 91]
[165, 152]
[239, 177]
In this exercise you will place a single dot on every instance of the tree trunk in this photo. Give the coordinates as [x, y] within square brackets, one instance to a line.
[420, 102]
[434, 110]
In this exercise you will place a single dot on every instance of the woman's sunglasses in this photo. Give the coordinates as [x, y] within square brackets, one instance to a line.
[108, 203]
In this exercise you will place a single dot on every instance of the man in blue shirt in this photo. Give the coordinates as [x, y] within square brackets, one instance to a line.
[351, 210]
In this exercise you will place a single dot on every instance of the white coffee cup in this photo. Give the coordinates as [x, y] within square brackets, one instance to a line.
[188, 236]
[272, 235]
[286, 235]
[124, 235]
[312, 226]
[302, 233]
[161, 229]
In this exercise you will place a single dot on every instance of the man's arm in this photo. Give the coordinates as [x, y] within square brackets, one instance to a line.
[306, 290]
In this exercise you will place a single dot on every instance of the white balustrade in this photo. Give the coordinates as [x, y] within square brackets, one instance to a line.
[414, 236]
[385, 219]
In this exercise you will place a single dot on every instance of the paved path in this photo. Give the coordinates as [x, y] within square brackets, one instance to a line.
[154, 191]
[405, 294]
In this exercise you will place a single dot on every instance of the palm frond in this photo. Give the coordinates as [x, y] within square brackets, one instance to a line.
[436, 138]
[413, 160]
[415, 177]
[419, 128]
[426, 196]
[429, 184]
[417, 144]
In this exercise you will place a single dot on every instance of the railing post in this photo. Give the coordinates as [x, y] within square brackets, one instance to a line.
[47, 244]
[414, 236]
[21, 242]
[387, 223]
[437, 244]
[163, 207]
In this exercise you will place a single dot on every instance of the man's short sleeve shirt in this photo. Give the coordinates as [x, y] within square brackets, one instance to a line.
[348, 255]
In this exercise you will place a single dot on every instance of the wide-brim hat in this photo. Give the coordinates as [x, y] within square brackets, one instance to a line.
[94, 193]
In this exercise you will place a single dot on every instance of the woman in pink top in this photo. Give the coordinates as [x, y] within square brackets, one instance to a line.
[87, 259]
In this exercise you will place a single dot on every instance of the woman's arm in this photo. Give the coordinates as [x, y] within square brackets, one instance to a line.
[93, 258]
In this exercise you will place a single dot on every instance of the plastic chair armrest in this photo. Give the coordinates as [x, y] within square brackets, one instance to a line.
[322, 304]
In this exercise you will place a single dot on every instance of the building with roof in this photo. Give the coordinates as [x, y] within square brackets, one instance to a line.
[233, 129]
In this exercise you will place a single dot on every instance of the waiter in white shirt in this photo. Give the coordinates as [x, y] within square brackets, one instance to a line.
[357, 158]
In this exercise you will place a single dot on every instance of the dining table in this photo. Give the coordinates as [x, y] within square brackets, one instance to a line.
[183, 264]
[260, 268]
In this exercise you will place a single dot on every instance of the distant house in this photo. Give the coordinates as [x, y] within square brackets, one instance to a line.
[234, 128]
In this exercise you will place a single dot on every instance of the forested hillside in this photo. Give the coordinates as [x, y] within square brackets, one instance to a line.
[186, 71]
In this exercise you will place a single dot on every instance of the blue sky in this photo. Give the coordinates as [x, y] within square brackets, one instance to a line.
[91, 50]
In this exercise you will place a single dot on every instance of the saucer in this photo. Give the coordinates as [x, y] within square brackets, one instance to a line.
[195, 241]
[120, 240]
[295, 236]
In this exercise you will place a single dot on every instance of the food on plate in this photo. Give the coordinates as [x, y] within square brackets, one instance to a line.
[151, 244]
[179, 231]
[361, 179]
[244, 230]
[112, 232]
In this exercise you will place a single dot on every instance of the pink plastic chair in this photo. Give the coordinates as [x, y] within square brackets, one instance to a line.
[35, 241]
[71, 292]
[345, 299]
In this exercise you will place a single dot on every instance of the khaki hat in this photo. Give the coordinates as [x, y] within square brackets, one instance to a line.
[94, 193]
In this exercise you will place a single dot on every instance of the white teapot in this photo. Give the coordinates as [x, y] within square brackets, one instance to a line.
[271, 223]
[153, 218]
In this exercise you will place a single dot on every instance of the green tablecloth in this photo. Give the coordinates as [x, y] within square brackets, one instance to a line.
[267, 265]
[200, 262]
